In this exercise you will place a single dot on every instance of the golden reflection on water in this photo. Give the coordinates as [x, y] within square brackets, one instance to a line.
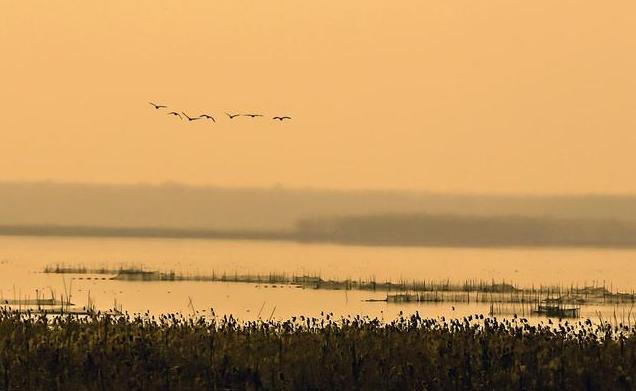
[23, 258]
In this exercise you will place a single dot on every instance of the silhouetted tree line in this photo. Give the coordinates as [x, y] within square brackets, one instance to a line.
[452, 230]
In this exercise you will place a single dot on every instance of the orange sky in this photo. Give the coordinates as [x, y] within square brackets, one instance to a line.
[474, 96]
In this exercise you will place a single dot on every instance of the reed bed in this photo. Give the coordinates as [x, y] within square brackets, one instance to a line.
[477, 291]
[173, 352]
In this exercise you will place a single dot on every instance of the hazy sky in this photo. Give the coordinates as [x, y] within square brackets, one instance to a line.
[479, 96]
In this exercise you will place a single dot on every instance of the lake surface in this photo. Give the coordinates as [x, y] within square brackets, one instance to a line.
[22, 260]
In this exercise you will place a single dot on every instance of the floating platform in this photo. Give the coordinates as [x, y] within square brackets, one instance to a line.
[557, 310]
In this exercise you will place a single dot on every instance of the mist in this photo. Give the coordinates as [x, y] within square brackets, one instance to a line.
[367, 217]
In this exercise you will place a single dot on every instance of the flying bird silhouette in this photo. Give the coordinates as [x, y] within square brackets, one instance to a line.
[281, 119]
[175, 114]
[190, 118]
[232, 115]
[156, 106]
[253, 115]
[207, 116]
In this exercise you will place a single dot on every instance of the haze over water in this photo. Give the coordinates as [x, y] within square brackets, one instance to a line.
[360, 194]
[513, 112]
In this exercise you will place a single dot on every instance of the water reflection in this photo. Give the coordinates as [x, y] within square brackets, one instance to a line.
[22, 259]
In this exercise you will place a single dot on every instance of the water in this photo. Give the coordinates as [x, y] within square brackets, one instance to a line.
[23, 258]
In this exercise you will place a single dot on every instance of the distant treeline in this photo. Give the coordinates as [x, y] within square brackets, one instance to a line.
[276, 208]
[480, 231]
[142, 232]
[392, 230]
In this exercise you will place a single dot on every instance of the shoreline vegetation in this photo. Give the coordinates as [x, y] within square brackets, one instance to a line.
[425, 230]
[175, 352]
[560, 300]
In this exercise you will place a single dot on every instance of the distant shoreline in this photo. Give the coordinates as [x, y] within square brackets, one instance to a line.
[288, 236]
[142, 232]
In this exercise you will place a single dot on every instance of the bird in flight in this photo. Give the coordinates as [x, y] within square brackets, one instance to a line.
[207, 116]
[253, 115]
[232, 115]
[175, 114]
[281, 119]
[156, 106]
[190, 118]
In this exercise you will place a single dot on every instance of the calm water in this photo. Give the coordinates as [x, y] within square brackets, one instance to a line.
[23, 258]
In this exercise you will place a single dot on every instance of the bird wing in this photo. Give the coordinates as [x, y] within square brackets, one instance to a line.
[152, 104]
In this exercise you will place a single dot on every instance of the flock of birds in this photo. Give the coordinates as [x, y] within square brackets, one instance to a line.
[181, 115]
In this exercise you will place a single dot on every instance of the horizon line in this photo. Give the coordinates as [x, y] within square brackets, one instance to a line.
[308, 188]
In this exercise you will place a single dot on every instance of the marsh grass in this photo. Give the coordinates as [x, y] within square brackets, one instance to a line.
[402, 291]
[184, 353]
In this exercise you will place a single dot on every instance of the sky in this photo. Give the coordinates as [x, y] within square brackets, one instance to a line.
[498, 96]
